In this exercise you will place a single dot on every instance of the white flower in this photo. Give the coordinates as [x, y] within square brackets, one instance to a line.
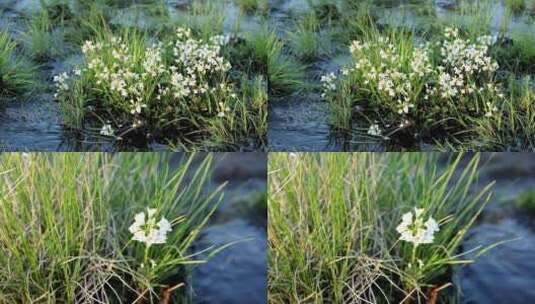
[374, 130]
[106, 130]
[146, 230]
[413, 228]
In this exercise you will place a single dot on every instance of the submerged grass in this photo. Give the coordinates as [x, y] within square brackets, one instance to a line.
[332, 226]
[64, 226]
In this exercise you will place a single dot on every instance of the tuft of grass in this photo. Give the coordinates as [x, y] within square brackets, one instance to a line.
[285, 73]
[512, 128]
[16, 75]
[306, 39]
[39, 39]
[516, 6]
[248, 6]
[332, 221]
[525, 203]
[518, 54]
[64, 234]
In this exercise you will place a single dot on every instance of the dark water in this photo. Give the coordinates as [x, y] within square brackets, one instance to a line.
[239, 273]
[506, 273]
[35, 124]
[301, 123]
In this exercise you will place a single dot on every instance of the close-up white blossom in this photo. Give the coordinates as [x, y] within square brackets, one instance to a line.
[415, 229]
[145, 229]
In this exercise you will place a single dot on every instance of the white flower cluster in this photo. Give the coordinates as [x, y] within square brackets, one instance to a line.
[106, 130]
[61, 83]
[329, 83]
[374, 130]
[121, 76]
[415, 230]
[137, 79]
[145, 229]
[193, 61]
[463, 62]
[405, 79]
[385, 73]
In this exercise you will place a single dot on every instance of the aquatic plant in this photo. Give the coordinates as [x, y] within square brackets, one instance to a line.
[250, 6]
[416, 89]
[77, 213]
[512, 128]
[308, 42]
[38, 37]
[16, 75]
[285, 74]
[517, 6]
[177, 90]
[334, 224]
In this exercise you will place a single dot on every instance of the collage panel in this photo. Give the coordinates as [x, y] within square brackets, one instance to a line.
[234, 151]
[396, 75]
[132, 228]
[116, 75]
[401, 228]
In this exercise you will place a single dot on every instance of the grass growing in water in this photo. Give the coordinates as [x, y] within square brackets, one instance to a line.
[440, 91]
[334, 226]
[16, 75]
[65, 218]
[178, 88]
[517, 6]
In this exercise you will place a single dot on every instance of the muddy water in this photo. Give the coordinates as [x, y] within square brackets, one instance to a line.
[301, 122]
[504, 274]
[35, 123]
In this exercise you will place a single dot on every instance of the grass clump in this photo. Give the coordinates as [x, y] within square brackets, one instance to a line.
[251, 6]
[179, 89]
[39, 38]
[525, 203]
[64, 226]
[307, 41]
[285, 73]
[334, 226]
[416, 90]
[518, 54]
[516, 6]
[514, 127]
[16, 75]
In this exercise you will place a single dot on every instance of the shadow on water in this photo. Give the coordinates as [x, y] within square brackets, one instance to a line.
[35, 124]
[301, 121]
[505, 273]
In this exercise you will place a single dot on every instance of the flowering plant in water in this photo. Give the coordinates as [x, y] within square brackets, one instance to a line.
[418, 87]
[172, 86]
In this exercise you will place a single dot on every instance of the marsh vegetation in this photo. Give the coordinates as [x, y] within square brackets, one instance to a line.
[399, 228]
[407, 75]
[135, 75]
[128, 228]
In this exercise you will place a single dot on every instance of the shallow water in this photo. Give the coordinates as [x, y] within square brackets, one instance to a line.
[36, 124]
[297, 126]
[238, 274]
[505, 273]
